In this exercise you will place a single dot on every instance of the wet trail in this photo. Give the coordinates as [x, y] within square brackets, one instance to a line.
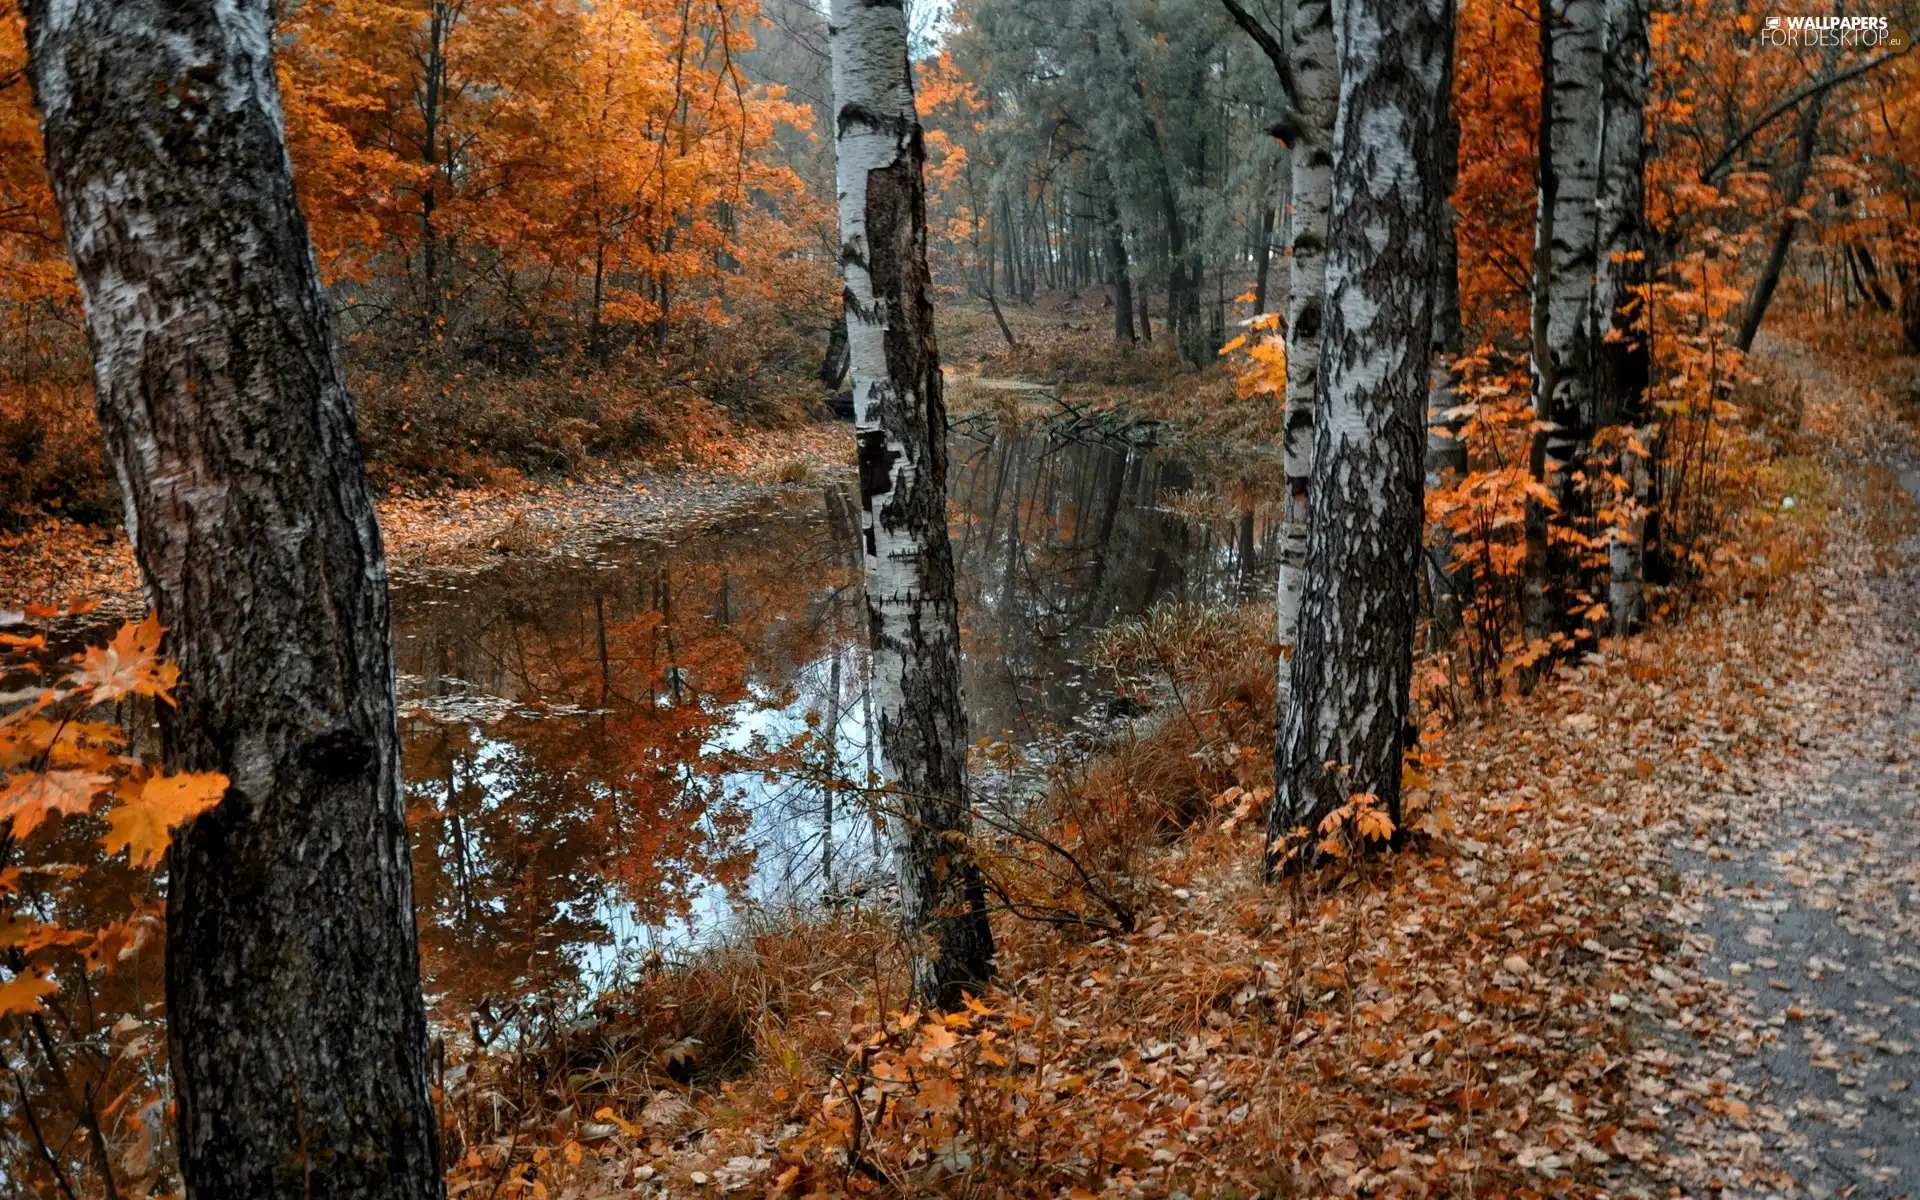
[1804, 897]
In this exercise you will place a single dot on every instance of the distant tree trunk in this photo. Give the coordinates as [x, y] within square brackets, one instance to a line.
[833, 369]
[1446, 442]
[1622, 352]
[1315, 62]
[1871, 271]
[1263, 256]
[296, 1029]
[1909, 278]
[1572, 35]
[1345, 728]
[1792, 186]
[1117, 265]
[900, 422]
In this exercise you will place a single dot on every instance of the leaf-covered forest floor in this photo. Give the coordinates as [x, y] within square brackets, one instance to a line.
[1663, 942]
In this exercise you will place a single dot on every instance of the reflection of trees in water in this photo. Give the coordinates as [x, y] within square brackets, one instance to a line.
[700, 667]
[1056, 542]
[534, 835]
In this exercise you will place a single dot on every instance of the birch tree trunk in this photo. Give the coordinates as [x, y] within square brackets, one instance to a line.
[900, 423]
[1315, 63]
[1622, 355]
[1344, 730]
[1446, 444]
[1572, 34]
[296, 1030]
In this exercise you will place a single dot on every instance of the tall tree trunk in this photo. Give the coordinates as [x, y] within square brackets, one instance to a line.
[296, 1029]
[1117, 265]
[1623, 350]
[1316, 71]
[900, 422]
[1805, 133]
[1572, 35]
[1446, 442]
[1345, 727]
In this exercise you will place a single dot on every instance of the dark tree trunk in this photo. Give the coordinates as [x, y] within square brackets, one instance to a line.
[1446, 433]
[1870, 270]
[1805, 133]
[833, 369]
[1263, 257]
[901, 420]
[296, 1030]
[1117, 266]
[1909, 278]
[1345, 723]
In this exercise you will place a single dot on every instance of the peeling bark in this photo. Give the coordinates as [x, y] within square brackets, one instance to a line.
[900, 423]
[296, 1029]
[1343, 732]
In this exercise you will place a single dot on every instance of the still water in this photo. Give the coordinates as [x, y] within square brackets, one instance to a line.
[614, 753]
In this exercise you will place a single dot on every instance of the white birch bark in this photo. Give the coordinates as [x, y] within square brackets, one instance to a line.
[1343, 732]
[1565, 254]
[1315, 63]
[900, 425]
[1622, 352]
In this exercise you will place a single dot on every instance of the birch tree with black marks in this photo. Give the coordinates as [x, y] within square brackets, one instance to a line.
[1343, 731]
[1622, 349]
[1572, 34]
[900, 425]
[297, 1034]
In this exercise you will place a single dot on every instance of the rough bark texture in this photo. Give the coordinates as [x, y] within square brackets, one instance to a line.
[1622, 350]
[297, 1032]
[1343, 732]
[1565, 253]
[901, 421]
[1316, 73]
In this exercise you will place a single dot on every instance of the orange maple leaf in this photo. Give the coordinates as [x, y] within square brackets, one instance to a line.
[22, 993]
[29, 799]
[144, 822]
[128, 665]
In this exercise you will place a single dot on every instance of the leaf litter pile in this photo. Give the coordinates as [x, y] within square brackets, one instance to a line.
[1527, 1004]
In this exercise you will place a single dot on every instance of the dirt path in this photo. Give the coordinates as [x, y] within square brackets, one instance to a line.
[1803, 896]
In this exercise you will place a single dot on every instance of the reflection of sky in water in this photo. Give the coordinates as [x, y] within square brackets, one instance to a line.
[746, 622]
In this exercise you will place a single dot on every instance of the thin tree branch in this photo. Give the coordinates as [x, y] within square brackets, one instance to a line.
[1287, 127]
[1786, 103]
